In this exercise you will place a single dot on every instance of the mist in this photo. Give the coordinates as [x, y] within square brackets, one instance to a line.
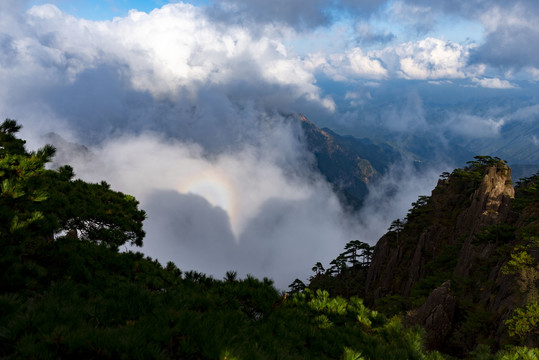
[392, 196]
[244, 210]
[257, 210]
[192, 111]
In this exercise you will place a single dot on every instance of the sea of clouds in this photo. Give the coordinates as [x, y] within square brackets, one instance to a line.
[186, 92]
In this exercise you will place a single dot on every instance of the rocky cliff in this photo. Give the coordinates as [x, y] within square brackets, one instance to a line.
[451, 263]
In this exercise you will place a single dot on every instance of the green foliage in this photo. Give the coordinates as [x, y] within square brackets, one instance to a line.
[518, 353]
[467, 179]
[417, 213]
[483, 161]
[497, 233]
[350, 354]
[481, 352]
[520, 259]
[391, 305]
[97, 303]
[36, 202]
[527, 192]
[347, 273]
[524, 321]
[396, 226]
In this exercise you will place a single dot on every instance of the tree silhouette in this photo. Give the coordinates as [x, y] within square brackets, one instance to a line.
[396, 226]
[297, 286]
[318, 269]
[356, 249]
[35, 200]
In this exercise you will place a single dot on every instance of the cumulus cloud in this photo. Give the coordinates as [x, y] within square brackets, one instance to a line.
[510, 28]
[430, 58]
[171, 59]
[171, 48]
[348, 66]
[493, 83]
[510, 31]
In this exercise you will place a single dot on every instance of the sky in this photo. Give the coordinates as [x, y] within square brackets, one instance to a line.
[187, 106]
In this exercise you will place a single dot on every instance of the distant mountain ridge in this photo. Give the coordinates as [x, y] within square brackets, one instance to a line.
[349, 164]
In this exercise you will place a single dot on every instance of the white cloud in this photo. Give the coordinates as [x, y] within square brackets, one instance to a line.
[510, 30]
[534, 72]
[391, 197]
[407, 117]
[475, 126]
[240, 210]
[440, 82]
[164, 52]
[494, 83]
[526, 113]
[349, 66]
[430, 59]
[358, 98]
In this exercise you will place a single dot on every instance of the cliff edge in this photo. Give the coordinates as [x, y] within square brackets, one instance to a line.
[464, 261]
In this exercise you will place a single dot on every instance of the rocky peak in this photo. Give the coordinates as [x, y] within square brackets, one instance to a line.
[466, 232]
[490, 204]
[459, 207]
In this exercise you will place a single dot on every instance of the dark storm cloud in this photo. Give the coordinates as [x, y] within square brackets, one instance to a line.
[474, 7]
[299, 14]
[511, 29]
[510, 46]
[366, 35]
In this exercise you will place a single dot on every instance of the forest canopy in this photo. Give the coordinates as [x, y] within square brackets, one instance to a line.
[42, 203]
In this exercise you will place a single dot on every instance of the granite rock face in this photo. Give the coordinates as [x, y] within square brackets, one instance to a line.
[490, 204]
[460, 236]
[449, 219]
[435, 315]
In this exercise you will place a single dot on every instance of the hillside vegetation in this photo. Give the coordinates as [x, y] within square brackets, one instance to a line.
[463, 264]
[67, 292]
